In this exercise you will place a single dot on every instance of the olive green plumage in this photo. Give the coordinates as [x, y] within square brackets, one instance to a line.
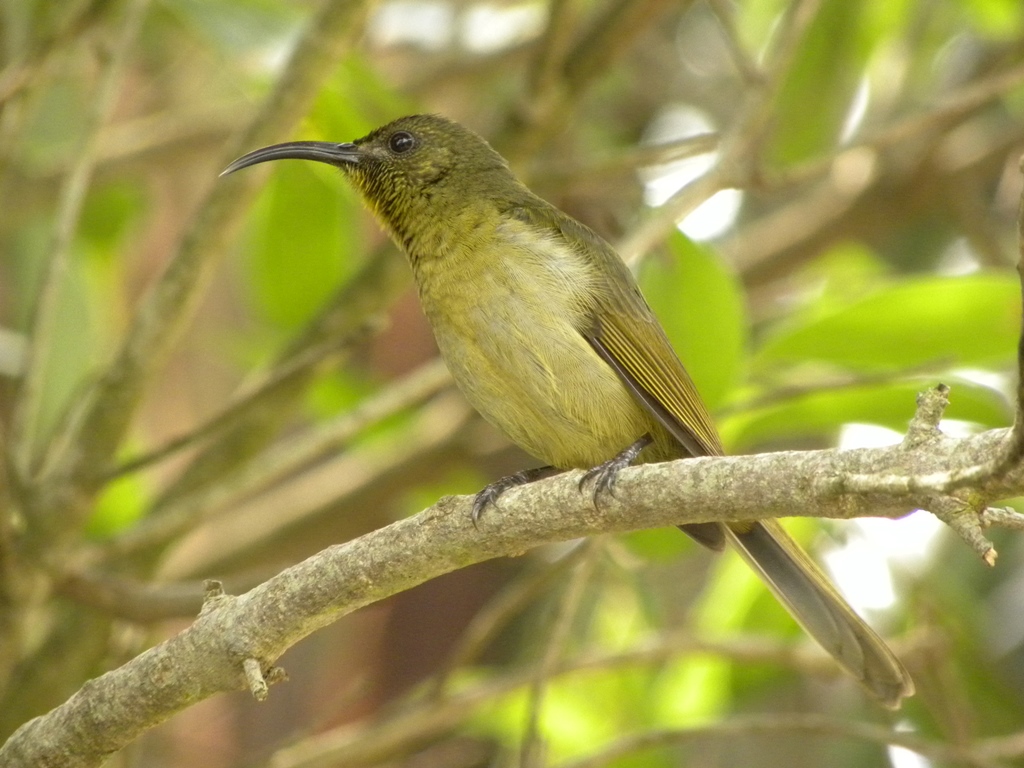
[549, 338]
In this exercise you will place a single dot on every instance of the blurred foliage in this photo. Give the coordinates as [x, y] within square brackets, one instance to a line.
[871, 256]
[686, 288]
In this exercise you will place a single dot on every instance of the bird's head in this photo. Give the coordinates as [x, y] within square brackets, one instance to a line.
[416, 166]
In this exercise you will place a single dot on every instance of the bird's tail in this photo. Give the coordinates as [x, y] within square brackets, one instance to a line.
[819, 608]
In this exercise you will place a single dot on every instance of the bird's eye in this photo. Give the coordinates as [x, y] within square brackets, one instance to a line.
[402, 141]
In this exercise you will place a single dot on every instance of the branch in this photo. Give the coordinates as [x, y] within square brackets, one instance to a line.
[845, 176]
[265, 402]
[143, 602]
[558, 633]
[944, 483]
[281, 460]
[109, 407]
[738, 147]
[19, 75]
[210, 656]
[69, 210]
[562, 74]
[498, 612]
[241, 405]
[625, 162]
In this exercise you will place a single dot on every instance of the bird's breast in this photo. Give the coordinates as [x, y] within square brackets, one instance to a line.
[508, 316]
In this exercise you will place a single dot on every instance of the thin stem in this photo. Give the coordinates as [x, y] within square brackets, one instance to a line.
[532, 749]
[173, 300]
[69, 209]
[283, 460]
[234, 412]
[738, 152]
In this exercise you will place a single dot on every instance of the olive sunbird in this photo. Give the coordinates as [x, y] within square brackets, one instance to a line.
[548, 336]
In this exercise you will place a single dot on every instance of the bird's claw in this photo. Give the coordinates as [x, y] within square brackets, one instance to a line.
[605, 474]
[489, 495]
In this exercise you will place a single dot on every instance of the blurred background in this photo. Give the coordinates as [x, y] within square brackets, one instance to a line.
[215, 378]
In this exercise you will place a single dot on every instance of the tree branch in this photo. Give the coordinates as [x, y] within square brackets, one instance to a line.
[738, 146]
[210, 655]
[965, 517]
[69, 210]
[109, 407]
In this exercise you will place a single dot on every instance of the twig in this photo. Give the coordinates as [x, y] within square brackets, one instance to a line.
[545, 77]
[979, 476]
[745, 65]
[737, 155]
[953, 108]
[825, 203]
[756, 110]
[173, 299]
[363, 743]
[531, 751]
[261, 624]
[145, 602]
[936, 490]
[12, 575]
[756, 249]
[606, 40]
[391, 736]
[637, 243]
[284, 459]
[243, 403]
[967, 201]
[136, 601]
[857, 191]
[254, 677]
[499, 611]
[924, 425]
[17, 76]
[629, 160]
[360, 304]
[1008, 746]
[259, 684]
[153, 136]
[609, 36]
[25, 421]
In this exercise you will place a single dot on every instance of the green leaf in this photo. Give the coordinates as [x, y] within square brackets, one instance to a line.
[305, 235]
[888, 404]
[78, 340]
[1000, 19]
[657, 544]
[356, 101]
[971, 320]
[121, 504]
[110, 211]
[815, 98]
[700, 304]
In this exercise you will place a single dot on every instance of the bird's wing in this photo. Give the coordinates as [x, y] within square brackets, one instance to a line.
[641, 354]
[624, 331]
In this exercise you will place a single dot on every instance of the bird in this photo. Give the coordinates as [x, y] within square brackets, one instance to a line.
[548, 336]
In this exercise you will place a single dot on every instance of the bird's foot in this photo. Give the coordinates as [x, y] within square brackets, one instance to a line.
[489, 495]
[605, 474]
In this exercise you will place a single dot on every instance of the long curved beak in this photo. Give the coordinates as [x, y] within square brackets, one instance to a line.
[320, 151]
